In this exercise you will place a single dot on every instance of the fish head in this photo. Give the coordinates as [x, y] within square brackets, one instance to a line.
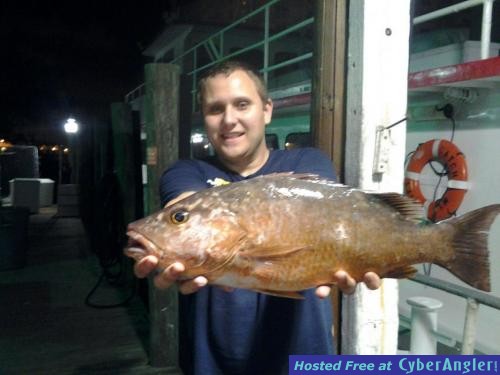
[201, 232]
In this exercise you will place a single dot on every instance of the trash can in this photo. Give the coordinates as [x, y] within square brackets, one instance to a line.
[13, 237]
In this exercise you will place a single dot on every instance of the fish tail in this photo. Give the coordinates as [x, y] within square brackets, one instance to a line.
[470, 244]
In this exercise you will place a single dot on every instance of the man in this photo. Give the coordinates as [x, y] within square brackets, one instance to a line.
[240, 331]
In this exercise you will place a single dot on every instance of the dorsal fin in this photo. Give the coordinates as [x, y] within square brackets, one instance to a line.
[408, 207]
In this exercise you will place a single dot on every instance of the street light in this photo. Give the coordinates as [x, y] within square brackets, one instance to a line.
[71, 126]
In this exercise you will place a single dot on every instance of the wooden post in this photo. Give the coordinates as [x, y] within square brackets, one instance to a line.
[328, 95]
[328, 85]
[162, 139]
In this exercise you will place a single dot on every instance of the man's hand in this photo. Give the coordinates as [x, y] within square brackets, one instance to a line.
[168, 276]
[347, 284]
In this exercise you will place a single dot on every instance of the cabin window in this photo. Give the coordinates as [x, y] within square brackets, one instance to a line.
[200, 146]
[297, 140]
[272, 141]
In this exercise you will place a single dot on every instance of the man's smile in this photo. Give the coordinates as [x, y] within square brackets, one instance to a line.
[232, 136]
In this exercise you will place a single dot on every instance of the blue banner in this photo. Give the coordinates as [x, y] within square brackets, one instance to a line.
[394, 364]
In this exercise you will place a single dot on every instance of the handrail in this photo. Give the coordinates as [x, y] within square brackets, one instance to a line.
[472, 297]
[481, 297]
[485, 21]
[214, 46]
[258, 44]
[229, 27]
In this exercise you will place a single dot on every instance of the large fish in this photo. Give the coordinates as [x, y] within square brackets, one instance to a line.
[282, 233]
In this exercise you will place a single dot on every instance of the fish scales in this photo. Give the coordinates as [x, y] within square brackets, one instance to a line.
[284, 233]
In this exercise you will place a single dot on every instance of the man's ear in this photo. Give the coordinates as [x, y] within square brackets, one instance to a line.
[268, 111]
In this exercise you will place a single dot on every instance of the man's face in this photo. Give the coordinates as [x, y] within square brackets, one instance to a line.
[235, 117]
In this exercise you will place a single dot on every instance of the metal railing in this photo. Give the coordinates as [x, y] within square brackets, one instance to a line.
[473, 298]
[214, 47]
[485, 21]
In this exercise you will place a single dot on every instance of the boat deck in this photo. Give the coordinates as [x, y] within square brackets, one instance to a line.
[45, 325]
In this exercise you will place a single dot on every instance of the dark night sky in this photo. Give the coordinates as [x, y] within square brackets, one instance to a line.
[70, 58]
[74, 58]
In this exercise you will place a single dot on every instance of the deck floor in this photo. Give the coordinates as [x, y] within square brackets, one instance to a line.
[45, 325]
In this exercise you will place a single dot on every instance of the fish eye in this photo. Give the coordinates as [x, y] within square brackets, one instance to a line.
[179, 217]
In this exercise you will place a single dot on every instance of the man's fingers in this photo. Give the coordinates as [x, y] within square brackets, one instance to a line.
[345, 282]
[145, 266]
[323, 291]
[191, 286]
[348, 285]
[372, 280]
[169, 275]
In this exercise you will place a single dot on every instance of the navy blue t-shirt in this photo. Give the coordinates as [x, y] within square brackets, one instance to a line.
[244, 332]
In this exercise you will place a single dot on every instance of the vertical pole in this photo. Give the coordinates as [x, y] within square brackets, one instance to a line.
[124, 157]
[377, 70]
[266, 44]
[72, 159]
[424, 319]
[194, 81]
[328, 95]
[469, 336]
[78, 151]
[486, 28]
[60, 163]
[162, 134]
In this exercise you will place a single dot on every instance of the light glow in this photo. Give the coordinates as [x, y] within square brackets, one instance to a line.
[71, 126]
[197, 138]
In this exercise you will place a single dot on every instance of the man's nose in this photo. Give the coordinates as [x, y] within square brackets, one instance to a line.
[230, 116]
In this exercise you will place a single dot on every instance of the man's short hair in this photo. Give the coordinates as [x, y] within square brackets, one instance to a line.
[228, 67]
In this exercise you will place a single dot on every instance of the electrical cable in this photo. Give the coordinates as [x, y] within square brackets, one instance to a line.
[109, 232]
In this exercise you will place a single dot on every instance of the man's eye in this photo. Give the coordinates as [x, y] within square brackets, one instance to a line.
[214, 110]
[242, 105]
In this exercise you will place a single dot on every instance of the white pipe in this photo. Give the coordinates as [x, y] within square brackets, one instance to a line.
[448, 10]
[486, 28]
[423, 324]
[470, 326]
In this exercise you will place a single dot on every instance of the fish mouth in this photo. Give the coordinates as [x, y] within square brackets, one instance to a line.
[139, 246]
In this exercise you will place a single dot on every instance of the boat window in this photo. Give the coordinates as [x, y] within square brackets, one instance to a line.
[272, 141]
[297, 140]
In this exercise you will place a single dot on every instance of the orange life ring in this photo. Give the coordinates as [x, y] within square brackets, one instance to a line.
[454, 163]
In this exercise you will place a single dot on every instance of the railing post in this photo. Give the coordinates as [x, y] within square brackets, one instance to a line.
[470, 326]
[486, 28]
[423, 324]
[266, 44]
